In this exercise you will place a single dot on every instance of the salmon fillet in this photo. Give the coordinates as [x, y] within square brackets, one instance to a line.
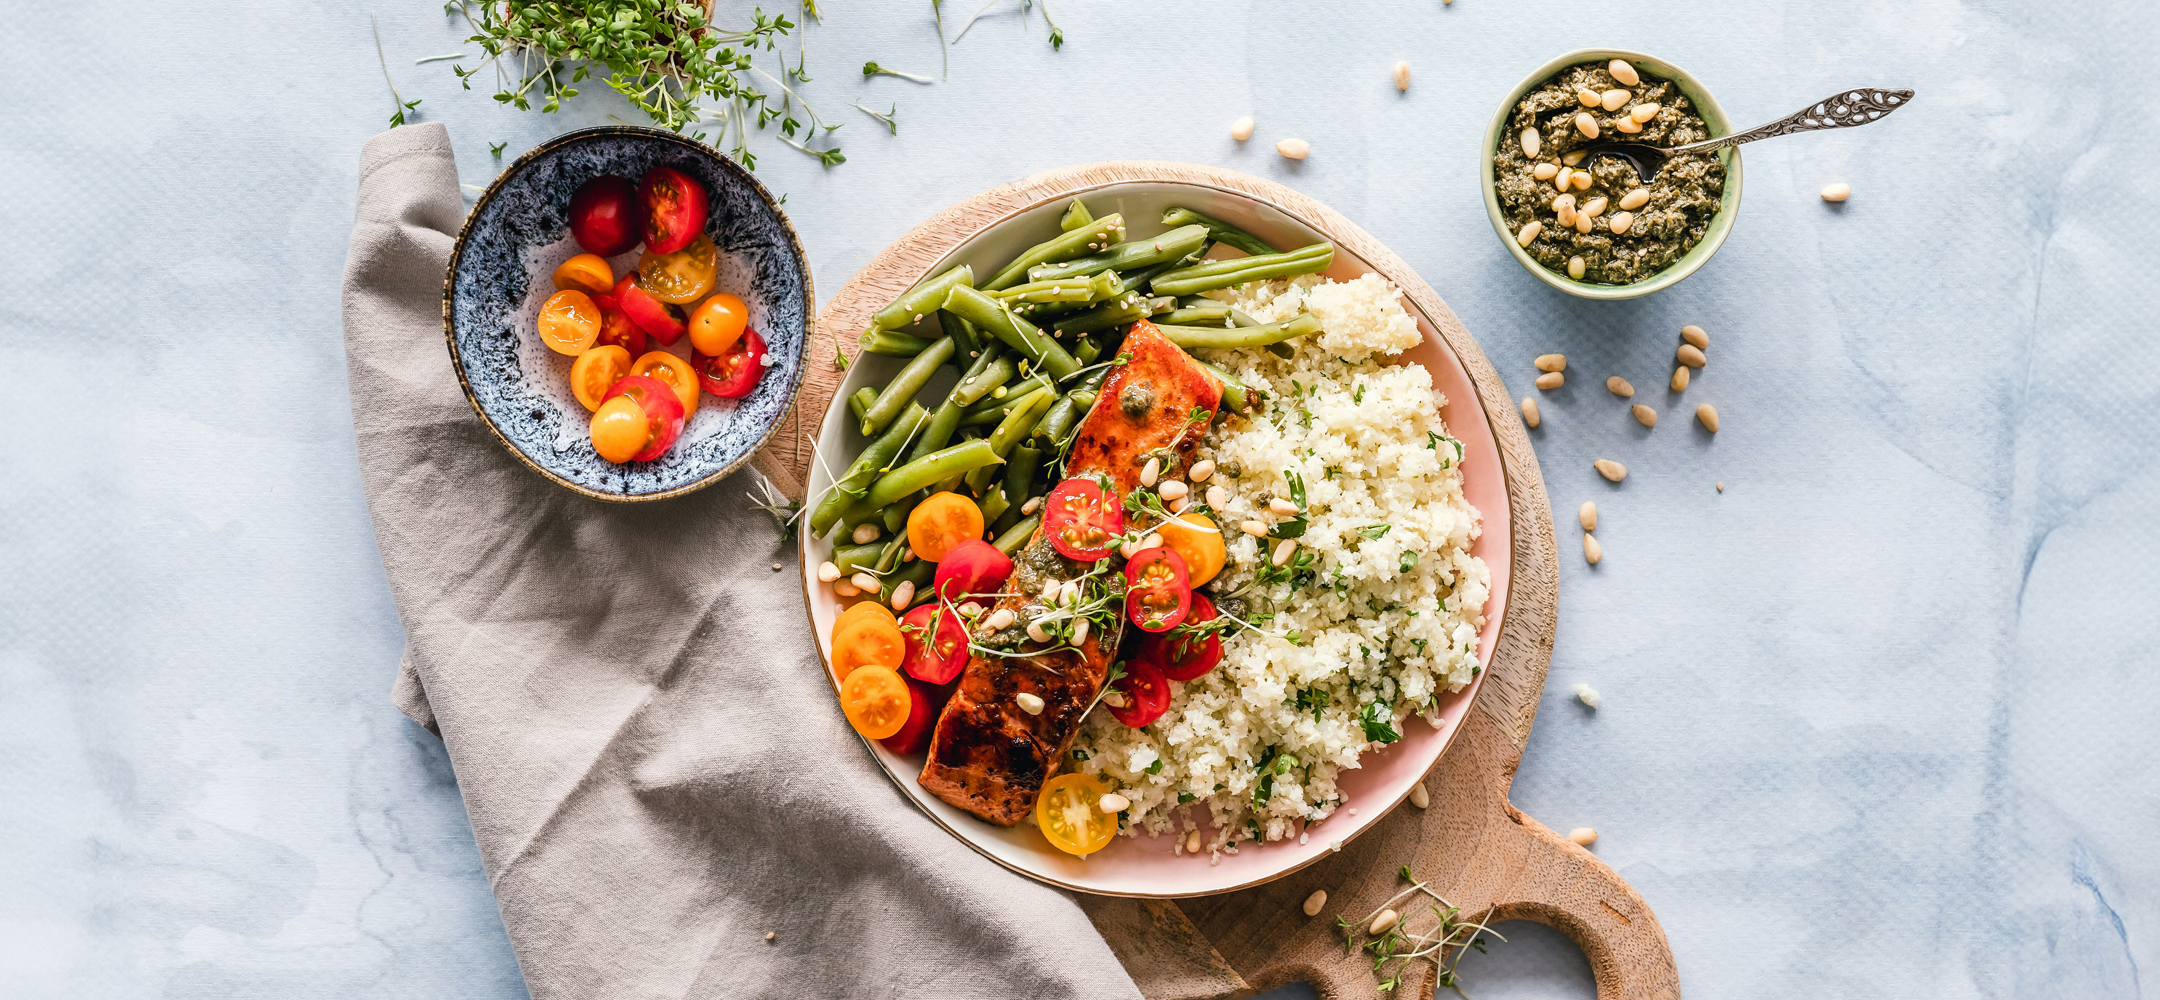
[986, 755]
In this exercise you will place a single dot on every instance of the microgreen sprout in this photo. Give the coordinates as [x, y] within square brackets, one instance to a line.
[424, 60]
[495, 149]
[870, 69]
[396, 98]
[889, 118]
[1451, 931]
[783, 510]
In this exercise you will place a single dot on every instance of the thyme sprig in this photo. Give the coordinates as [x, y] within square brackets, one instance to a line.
[1450, 932]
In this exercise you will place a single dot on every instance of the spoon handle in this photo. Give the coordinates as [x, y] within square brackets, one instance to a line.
[1844, 109]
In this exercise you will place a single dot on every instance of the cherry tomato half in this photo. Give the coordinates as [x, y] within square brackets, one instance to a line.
[605, 216]
[663, 412]
[616, 329]
[876, 701]
[939, 658]
[588, 273]
[1202, 547]
[1157, 592]
[924, 703]
[1181, 655]
[596, 371]
[1070, 815]
[673, 370]
[972, 567]
[735, 374]
[661, 319]
[941, 522]
[619, 429]
[1083, 519]
[1146, 691]
[869, 641]
[674, 209]
[682, 277]
[569, 322]
[857, 610]
[716, 322]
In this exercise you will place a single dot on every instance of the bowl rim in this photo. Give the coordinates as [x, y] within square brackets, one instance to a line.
[1720, 224]
[802, 266]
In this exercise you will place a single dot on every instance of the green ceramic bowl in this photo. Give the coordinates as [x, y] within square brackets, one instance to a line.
[1705, 105]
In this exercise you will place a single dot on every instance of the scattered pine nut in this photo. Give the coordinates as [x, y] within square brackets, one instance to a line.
[1721, 486]
[1530, 143]
[1586, 124]
[1000, 619]
[1528, 232]
[1113, 803]
[827, 572]
[1708, 415]
[1294, 149]
[1562, 205]
[1254, 528]
[1315, 902]
[864, 582]
[1151, 472]
[1581, 180]
[1588, 515]
[1562, 177]
[1171, 489]
[842, 588]
[1627, 124]
[866, 532]
[1529, 412]
[1585, 692]
[1614, 100]
[1283, 549]
[1036, 632]
[907, 555]
[1695, 335]
[1281, 507]
[1591, 551]
[1679, 378]
[1217, 497]
[1241, 129]
[1610, 469]
[1837, 192]
[1029, 702]
[1644, 415]
[1201, 470]
[768, 935]
[1619, 387]
[1419, 797]
[1402, 75]
[1576, 267]
[1588, 97]
[1620, 222]
[1583, 836]
[1691, 356]
[1385, 922]
[1551, 362]
[1635, 199]
[1624, 72]
[1594, 207]
[1583, 222]
[1544, 171]
[1034, 504]
[776, 567]
[1642, 113]
[1551, 380]
[903, 595]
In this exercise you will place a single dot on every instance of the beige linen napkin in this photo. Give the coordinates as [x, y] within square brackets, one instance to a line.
[654, 765]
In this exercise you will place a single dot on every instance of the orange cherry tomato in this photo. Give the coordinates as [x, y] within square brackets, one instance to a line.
[1203, 548]
[618, 429]
[663, 412]
[586, 272]
[717, 322]
[941, 522]
[876, 701]
[596, 371]
[869, 642]
[673, 370]
[1070, 815]
[855, 611]
[682, 277]
[569, 322]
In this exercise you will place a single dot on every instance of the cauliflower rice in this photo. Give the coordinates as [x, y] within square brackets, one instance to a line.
[1374, 617]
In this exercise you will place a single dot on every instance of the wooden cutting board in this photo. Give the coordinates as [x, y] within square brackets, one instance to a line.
[1474, 848]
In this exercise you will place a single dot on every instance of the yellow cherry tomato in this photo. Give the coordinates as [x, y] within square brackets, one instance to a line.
[1202, 549]
[588, 273]
[868, 641]
[570, 322]
[1070, 814]
[875, 700]
[717, 323]
[681, 277]
[675, 371]
[619, 429]
[941, 522]
[596, 371]
[854, 611]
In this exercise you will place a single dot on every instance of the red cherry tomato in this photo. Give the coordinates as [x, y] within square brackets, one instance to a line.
[735, 374]
[1182, 656]
[1083, 519]
[663, 412]
[924, 703]
[605, 216]
[661, 319]
[1158, 592]
[936, 659]
[1146, 691]
[972, 567]
[674, 209]
[617, 330]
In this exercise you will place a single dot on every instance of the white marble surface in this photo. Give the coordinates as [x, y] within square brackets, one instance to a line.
[1878, 720]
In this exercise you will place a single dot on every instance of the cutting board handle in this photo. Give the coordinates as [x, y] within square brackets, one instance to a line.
[1564, 886]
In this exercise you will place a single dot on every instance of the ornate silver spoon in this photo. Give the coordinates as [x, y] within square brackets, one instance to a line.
[1844, 109]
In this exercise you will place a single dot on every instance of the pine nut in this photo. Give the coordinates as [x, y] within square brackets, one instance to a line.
[1586, 124]
[1644, 415]
[1217, 497]
[1283, 551]
[1000, 619]
[1622, 71]
[1615, 99]
[842, 588]
[1192, 842]
[1573, 159]
[1837, 192]
[1034, 504]
[1051, 591]
[1530, 143]
[1621, 221]
[1581, 180]
[1627, 125]
[1419, 797]
[1029, 702]
[1313, 903]
[1594, 207]
[1708, 415]
[864, 582]
[1385, 922]
[1565, 214]
[903, 595]
[1721, 486]
[827, 572]
[1551, 380]
[1036, 632]
[1610, 469]
[1588, 97]
[1576, 267]
[1402, 75]
[1528, 232]
[1551, 362]
[1679, 378]
[1561, 177]
[1254, 528]
[1583, 836]
[1692, 356]
[1281, 507]
[1529, 412]
[971, 610]
[1644, 112]
[1591, 550]
[1585, 693]
[1201, 470]
[1619, 387]
[1544, 171]
[1588, 515]
[866, 533]
[1151, 472]
[1172, 489]
[1695, 335]
[1294, 149]
[1583, 223]
[1563, 202]
[907, 555]
[1241, 129]
[1635, 199]
[1113, 803]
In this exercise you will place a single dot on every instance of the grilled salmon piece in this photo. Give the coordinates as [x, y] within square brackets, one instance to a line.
[986, 755]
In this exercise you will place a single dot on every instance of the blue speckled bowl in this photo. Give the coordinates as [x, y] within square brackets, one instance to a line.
[499, 275]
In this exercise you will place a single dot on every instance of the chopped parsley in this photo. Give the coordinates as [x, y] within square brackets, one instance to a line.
[1379, 724]
[1374, 531]
[1409, 561]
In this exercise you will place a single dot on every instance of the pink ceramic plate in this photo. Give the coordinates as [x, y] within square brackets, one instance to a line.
[1141, 865]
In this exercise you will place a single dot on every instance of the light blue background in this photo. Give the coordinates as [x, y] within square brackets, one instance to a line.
[1879, 720]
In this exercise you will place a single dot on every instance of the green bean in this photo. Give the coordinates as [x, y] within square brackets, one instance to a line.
[1159, 304]
[994, 504]
[1222, 338]
[903, 388]
[859, 403]
[993, 411]
[1213, 274]
[1133, 281]
[1086, 350]
[891, 343]
[1011, 431]
[1019, 334]
[931, 468]
[1022, 468]
[963, 334]
[921, 299]
[1116, 312]
[890, 557]
[1076, 215]
[920, 573]
[1236, 395]
[946, 418]
[1015, 538]
[1199, 310]
[859, 513]
[1175, 245]
[975, 387]
[1059, 421]
[1085, 399]
[873, 462]
[896, 513]
[1058, 290]
[1218, 230]
[855, 557]
[1095, 235]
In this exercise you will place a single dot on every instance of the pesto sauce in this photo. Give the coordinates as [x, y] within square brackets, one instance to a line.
[1683, 198]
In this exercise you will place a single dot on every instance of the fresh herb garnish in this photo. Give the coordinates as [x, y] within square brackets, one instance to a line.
[1409, 561]
[495, 149]
[1155, 768]
[1374, 531]
[402, 105]
[1450, 932]
[870, 69]
[889, 118]
[1293, 527]
[1378, 723]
